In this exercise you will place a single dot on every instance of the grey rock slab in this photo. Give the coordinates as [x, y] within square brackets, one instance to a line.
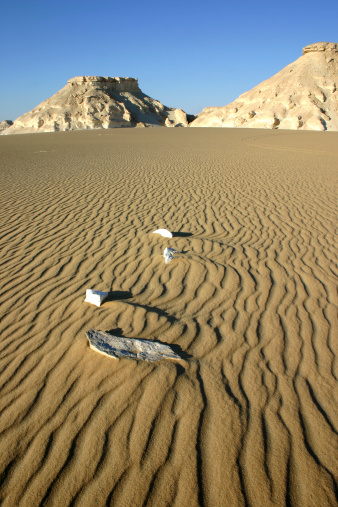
[120, 347]
[169, 253]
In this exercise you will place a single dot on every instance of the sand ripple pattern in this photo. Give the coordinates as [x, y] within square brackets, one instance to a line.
[249, 416]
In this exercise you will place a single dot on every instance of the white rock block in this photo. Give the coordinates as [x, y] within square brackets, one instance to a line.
[95, 297]
[164, 232]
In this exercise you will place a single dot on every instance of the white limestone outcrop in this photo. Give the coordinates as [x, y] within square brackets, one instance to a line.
[5, 124]
[302, 96]
[96, 102]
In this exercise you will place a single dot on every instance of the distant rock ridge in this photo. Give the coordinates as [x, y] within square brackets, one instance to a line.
[5, 124]
[302, 96]
[97, 102]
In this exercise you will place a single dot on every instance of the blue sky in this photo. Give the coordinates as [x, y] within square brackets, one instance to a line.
[187, 54]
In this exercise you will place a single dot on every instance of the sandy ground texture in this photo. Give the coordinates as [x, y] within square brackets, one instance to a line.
[248, 417]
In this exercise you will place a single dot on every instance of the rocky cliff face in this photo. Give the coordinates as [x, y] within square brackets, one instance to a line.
[320, 46]
[94, 102]
[302, 96]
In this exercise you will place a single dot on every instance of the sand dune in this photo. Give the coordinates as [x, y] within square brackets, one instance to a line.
[248, 417]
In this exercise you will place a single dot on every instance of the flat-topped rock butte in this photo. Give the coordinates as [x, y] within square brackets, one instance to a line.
[95, 102]
[302, 96]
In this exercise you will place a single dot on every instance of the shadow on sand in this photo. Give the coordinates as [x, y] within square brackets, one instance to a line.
[115, 295]
[182, 234]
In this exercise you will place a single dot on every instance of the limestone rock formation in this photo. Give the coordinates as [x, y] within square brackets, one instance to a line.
[301, 96]
[5, 124]
[320, 46]
[95, 102]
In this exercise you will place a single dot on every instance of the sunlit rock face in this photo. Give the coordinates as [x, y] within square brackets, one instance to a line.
[5, 124]
[96, 102]
[302, 96]
[320, 46]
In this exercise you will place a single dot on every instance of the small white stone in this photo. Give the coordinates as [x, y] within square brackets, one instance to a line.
[164, 232]
[95, 297]
[168, 254]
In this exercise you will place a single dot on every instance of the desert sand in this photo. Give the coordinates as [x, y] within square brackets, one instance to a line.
[248, 416]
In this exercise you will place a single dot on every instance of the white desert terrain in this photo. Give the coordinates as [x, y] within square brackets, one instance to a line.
[96, 102]
[302, 96]
[206, 259]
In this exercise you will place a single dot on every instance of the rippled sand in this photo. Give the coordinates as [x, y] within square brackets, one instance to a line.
[248, 417]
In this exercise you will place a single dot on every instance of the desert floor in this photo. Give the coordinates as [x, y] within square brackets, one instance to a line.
[248, 417]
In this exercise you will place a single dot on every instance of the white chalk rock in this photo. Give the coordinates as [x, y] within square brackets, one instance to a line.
[120, 347]
[168, 254]
[164, 232]
[95, 297]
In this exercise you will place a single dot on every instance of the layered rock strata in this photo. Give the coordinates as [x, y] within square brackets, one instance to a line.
[301, 96]
[95, 102]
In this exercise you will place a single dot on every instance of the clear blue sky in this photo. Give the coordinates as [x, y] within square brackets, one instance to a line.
[187, 54]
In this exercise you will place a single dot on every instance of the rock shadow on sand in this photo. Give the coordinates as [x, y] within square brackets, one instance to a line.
[115, 295]
[182, 234]
[118, 295]
[153, 309]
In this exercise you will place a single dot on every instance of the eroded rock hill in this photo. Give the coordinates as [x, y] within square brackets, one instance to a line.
[94, 102]
[5, 124]
[301, 96]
